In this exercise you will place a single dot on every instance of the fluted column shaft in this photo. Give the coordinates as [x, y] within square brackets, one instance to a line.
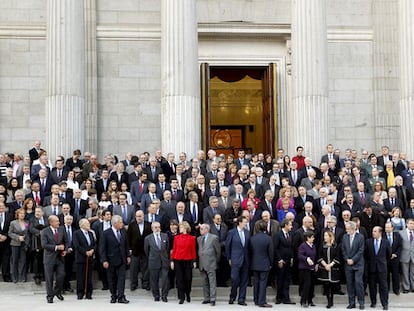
[180, 87]
[406, 13]
[65, 101]
[307, 115]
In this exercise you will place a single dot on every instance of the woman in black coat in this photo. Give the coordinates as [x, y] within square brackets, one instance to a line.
[328, 261]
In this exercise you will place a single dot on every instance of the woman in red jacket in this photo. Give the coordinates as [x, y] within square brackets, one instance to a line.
[183, 258]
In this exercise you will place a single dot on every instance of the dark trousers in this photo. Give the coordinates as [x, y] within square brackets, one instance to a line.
[306, 286]
[379, 278]
[51, 268]
[84, 278]
[5, 260]
[37, 263]
[19, 263]
[69, 259]
[239, 280]
[283, 277]
[102, 273]
[116, 281]
[223, 271]
[184, 276]
[139, 264]
[355, 285]
[155, 276]
[394, 274]
[259, 287]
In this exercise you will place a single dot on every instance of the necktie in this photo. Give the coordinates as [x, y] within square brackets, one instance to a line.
[390, 238]
[362, 198]
[243, 241]
[56, 235]
[225, 202]
[411, 236]
[37, 199]
[332, 210]
[41, 222]
[1, 218]
[376, 247]
[269, 206]
[351, 240]
[140, 187]
[194, 213]
[87, 238]
[175, 195]
[124, 214]
[158, 241]
[59, 174]
[69, 235]
[287, 236]
[153, 196]
[118, 235]
[392, 202]
[153, 218]
[56, 211]
[77, 207]
[162, 187]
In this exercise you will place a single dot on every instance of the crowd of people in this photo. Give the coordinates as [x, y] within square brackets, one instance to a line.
[259, 219]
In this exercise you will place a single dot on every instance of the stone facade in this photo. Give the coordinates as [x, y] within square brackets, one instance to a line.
[362, 65]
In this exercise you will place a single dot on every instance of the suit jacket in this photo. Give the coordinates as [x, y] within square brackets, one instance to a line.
[224, 206]
[356, 252]
[208, 193]
[200, 212]
[146, 200]
[48, 210]
[34, 155]
[178, 196]
[113, 251]
[159, 190]
[208, 214]
[130, 214]
[153, 178]
[299, 177]
[257, 188]
[83, 206]
[45, 191]
[81, 246]
[100, 188]
[282, 247]
[261, 252]
[229, 216]
[235, 251]
[54, 176]
[35, 227]
[50, 254]
[136, 193]
[397, 202]
[274, 228]
[272, 210]
[221, 233]
[209, 252]
[377, 262]
[168, 170]
[396, 245]
[34, 172]
[136, 238]
[407, 250]
[409, 213]
[157, 257]
[382, 162]
[119, 182]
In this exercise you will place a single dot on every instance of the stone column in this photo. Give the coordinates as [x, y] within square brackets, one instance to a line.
[406, 13]
[91, 80]
[65, 101]
[180, 86]
[307, 115]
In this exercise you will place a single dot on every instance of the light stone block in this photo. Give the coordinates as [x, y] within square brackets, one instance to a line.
[353, 84]
[139, 17]
[124, 5]
[107, 46]
[106, 17]
[29, 4]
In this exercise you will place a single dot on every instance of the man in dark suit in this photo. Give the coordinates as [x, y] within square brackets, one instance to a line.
[34, 152]
[195, 208]
[261, 250]
[353, 246]
[54, 244]
[137, 231]
[409, 212]
[168, 167]
[294, 175]
[330, 155]
[59, 172]
[209, 253]
[269, 204]
[212, 190]
[124, 210]
[102, 184]
[156, 248]
[162, 185]
[392, 200]
[147, 198]
[385, 157]
[283, 256]
[220, 229]
[153, 170]
[301, 199]
[237, 252]
[5, 251]
[138, 188]
[179, 214]
[36, 225]
[231, 214]
[99, 227]
[394, 239]
[211, 210]
[78, 205]
[85, 246]
[114, 253]
[378, 253]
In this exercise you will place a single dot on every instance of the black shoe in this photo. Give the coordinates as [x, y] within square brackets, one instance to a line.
[312, 304]
[405, 291]
[242, 303]
[157, 299]
[147, 288]
[113, 300]
[59, 296]
[123, 300]
[7, 280]
[304, 305]
[188, 299]
[133, 288]
[105, 288]
[361, 307]
[278, 301]
[89, 297]
[49, 299]
[205, 302]
[339, 292]
[70, 290]
[385, 307]
[265, 305]
[80, 297]
[37, 281]
[397, 292]
[181, 301]
[213, 303]
[350, 307]
[373, 305]
[164, 299]
[288, 302]
[231, 301]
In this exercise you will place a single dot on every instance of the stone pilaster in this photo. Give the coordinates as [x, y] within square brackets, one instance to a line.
[406, 13]
[180, 86]
[307, 115]
[91, 81]
[65, 101]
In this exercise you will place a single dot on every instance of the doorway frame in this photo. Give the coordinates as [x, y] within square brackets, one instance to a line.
[274, 109]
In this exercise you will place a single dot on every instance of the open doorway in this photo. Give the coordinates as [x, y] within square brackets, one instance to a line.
[239, 109]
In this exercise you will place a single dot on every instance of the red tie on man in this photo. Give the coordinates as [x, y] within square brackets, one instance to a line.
[37, 199]
[56, 235]
[141, 186]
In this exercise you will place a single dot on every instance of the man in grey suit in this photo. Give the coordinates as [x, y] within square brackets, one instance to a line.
[209, 252]
[211, 210]
[407, 256]
[54, 244]
[54, 207]
[156, 247]
[353, 246]
[127, 212]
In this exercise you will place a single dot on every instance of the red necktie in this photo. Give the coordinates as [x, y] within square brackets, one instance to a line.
[37, 198]
[141, 185]
[56, 236]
